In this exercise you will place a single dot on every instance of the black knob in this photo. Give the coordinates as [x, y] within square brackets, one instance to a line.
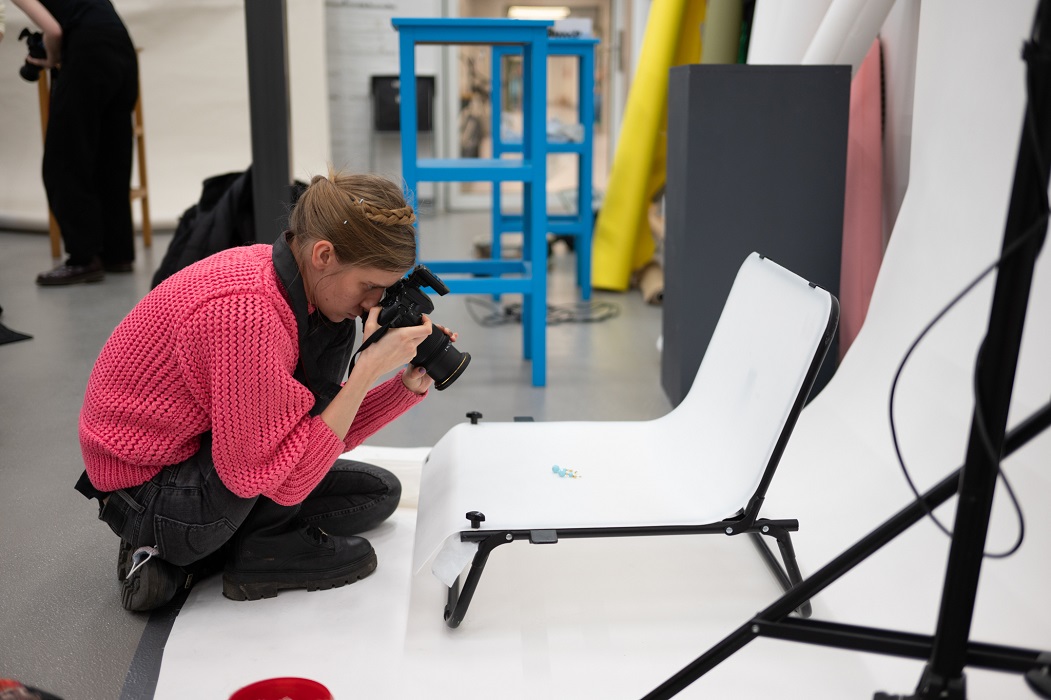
[476, 519]
[474, 416]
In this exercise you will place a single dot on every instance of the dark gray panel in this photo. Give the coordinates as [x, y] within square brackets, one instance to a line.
[756, 162]
[268, 104]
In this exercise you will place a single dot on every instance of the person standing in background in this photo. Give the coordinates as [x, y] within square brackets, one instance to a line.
[88, 146]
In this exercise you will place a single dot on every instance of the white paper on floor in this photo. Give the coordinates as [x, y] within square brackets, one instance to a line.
[349, 639]
[583, 619]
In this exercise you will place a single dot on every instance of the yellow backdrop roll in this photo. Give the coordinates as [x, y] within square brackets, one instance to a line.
[622, 240]
[688, 50]
[624, 204]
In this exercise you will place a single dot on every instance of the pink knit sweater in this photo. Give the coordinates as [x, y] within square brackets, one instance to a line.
[214, 348]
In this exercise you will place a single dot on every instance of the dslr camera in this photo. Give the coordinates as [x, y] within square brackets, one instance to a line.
[35, 44]
[404, 304]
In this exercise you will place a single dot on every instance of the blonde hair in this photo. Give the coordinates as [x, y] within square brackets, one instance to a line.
[365, 217]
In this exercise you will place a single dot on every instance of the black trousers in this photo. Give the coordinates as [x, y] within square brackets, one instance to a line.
[88, 147]
[187, 513]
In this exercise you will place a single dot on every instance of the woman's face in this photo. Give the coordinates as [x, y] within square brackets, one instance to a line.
[351, 291]
[341, 291]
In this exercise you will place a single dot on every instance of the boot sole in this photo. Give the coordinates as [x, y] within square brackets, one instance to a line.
[90, 278]
[253, 586]
[151, 589]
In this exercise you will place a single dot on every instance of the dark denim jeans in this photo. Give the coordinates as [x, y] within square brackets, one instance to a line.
[352, 498]
[187, 513]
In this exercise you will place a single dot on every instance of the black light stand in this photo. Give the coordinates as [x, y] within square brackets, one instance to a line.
[949, 650]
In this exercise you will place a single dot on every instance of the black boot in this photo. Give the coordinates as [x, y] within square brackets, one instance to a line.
[273, 550]
[157, 582]
[152, 585]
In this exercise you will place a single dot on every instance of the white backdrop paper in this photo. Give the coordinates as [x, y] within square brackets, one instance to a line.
[847, 32]
[782, 31]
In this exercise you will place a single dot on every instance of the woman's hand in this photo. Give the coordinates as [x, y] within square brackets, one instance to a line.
[453, 335]
[416, 379]
[395, 349]
[51, 29]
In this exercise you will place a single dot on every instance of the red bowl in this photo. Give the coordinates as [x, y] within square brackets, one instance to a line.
[283, 689]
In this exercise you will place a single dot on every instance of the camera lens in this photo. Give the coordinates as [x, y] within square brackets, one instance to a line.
[441, 359]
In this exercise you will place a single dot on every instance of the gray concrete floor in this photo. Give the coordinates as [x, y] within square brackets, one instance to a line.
[62, 628]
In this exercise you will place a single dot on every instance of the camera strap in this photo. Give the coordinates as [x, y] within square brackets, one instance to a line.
[380, 332]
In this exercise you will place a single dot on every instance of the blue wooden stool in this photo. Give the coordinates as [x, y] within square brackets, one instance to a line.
[527, 276]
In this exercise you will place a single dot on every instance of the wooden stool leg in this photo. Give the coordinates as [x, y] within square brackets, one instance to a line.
[44, 91]
[142, 192]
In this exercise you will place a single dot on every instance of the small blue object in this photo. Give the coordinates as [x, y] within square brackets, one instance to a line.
[571, 473]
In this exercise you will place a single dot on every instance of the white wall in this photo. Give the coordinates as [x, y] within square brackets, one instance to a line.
[362, 43]
[193, 69]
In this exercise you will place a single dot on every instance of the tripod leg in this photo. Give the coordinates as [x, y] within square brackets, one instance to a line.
[1040, 679]
[932, 687]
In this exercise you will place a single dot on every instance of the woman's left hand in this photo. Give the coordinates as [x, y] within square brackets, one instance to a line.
[415, 378]
[453, 335]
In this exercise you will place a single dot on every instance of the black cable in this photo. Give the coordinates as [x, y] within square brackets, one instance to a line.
[489, 313]
[1010, 250]
[979, 414]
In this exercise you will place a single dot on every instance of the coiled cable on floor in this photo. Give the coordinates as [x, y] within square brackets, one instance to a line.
[486, 312]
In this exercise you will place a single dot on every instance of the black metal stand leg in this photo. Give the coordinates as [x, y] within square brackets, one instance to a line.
[787, 573]
[458, 601]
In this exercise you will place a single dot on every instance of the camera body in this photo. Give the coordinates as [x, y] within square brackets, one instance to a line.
[35, 44]
[404, 304]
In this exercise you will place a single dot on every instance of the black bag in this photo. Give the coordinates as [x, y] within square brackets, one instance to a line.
[221, 219]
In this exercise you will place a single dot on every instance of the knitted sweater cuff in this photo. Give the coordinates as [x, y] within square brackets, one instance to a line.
[382, 404]
[322, 449]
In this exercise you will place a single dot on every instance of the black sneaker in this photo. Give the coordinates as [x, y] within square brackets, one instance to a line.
[66, 274]
[307, 557]
[153, 584]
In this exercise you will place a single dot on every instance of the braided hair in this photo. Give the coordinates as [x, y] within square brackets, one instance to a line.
[365, 217]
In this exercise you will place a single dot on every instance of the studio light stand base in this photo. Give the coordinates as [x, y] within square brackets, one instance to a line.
[1039, 679]
[932, 687]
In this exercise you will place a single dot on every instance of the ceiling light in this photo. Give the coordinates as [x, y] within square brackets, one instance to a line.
[537, 12]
